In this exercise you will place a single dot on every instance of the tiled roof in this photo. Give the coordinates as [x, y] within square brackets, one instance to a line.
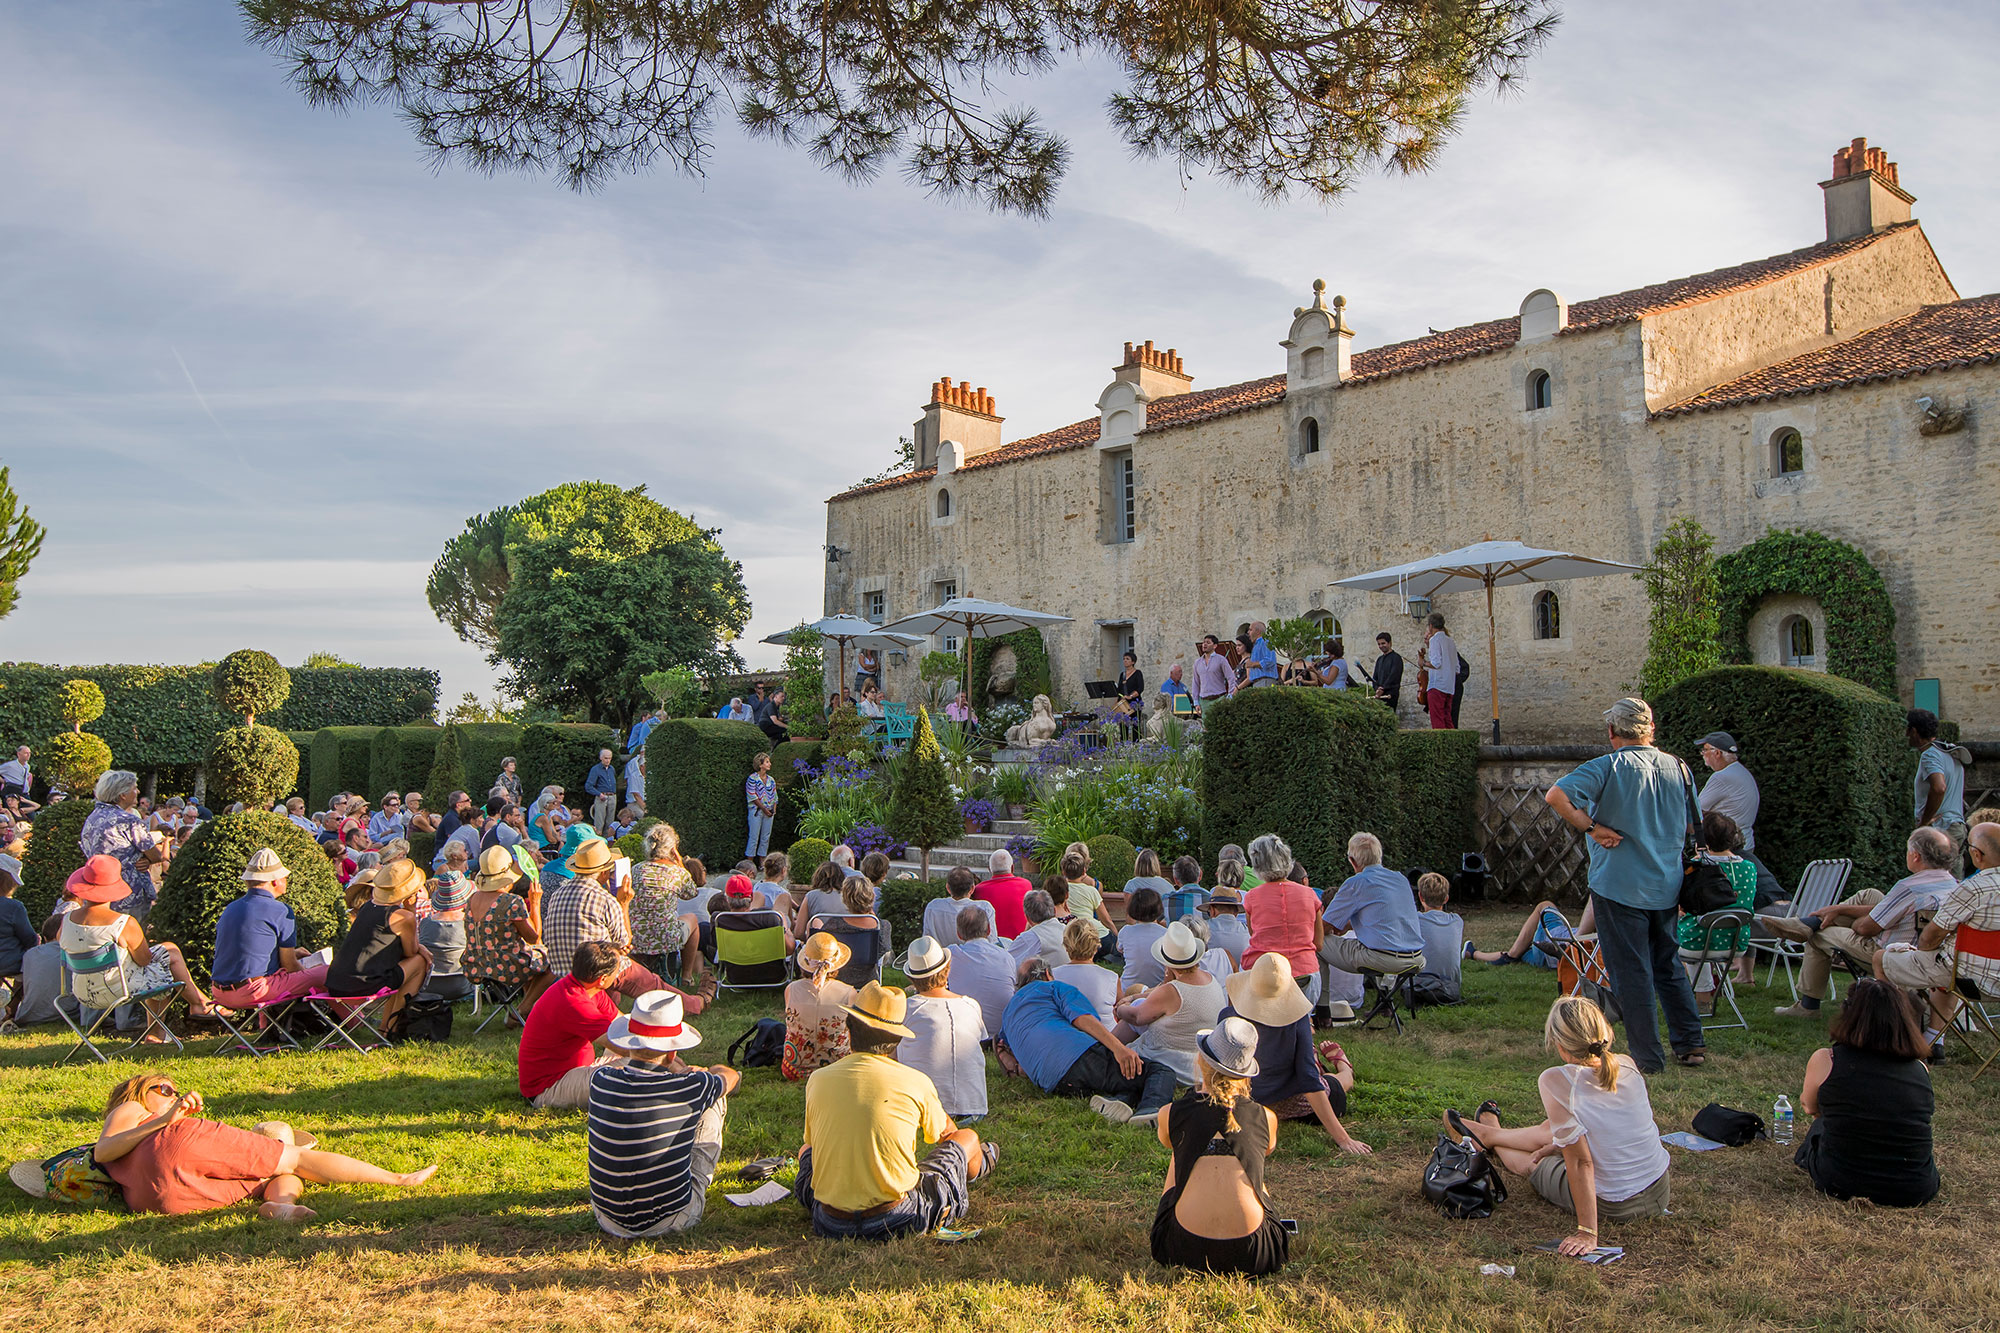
[1434, 349]
[1936, 337]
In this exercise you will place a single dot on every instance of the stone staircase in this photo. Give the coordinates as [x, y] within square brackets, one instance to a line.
[970, 850]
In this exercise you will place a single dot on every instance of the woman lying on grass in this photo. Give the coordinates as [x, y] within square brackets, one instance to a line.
[167, 1161]
[1598, 1155]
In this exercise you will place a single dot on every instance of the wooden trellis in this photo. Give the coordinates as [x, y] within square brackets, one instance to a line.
[1532, 854]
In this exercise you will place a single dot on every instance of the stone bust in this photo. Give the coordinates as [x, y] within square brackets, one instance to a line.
[1039, 729]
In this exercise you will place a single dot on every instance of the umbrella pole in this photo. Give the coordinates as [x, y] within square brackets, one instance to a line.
[1493, 661]
[840, 684]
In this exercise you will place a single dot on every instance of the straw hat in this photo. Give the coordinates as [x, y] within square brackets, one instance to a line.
[99, 880]
[823, 953]
[395, 883]
[497, 868]
[655, 1024]
[1178, 947]
[1226, 898]
[593, 855]
[1230, 1047]
[927, 958]
[1265, 993]
[263, 867]
[882, 1007]
[30, 1177]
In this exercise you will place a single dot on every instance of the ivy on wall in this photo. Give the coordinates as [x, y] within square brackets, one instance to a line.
[1860, 618]
[1031, 657]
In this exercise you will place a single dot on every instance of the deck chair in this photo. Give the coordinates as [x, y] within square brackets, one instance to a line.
[1821, 885]
[869, 948]
[1974, 1025]
[503, 996]
[344, 1015]
[750, 950]
[96, 985]
[1720, 938]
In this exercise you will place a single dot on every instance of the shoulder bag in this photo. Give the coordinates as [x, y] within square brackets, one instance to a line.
[1460, 1182]
[1705, 887]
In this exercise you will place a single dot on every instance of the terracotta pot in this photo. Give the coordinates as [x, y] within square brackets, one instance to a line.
[972, 826]
[1016, 811]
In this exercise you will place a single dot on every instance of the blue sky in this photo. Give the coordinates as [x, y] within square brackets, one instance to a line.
[258, 362]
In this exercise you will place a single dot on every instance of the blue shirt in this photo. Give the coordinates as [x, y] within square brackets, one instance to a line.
[249, 934]
[17, 936]
[1931, 759]
[1038, 1027]
[1637, 791]
[1263, 662]
[640, 730]
[1172, 686]
[602, 780]
[383, 826]
[1377, 903]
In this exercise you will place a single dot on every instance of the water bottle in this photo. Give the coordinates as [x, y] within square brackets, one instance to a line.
[1781, 1121]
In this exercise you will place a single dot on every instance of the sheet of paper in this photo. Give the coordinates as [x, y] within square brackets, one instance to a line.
[767, 1193]
[1680, 1138]
[1603, 1254]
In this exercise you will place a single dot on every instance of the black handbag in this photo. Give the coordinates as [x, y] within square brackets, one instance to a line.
[425, 1017]
[1705, 887]
[1728, 1126]
[1460, 1182]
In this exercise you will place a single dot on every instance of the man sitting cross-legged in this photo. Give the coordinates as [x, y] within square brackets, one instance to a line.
[1051, 1033]
[1870, 921]
[858, 1172]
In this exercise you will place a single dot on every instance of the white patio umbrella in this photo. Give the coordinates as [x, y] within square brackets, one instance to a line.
[1488, 565]
[975, 617]
[845, 629]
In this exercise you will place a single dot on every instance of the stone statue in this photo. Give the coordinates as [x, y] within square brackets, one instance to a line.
[1038, 730]
[1156, 722]
[1002, 675]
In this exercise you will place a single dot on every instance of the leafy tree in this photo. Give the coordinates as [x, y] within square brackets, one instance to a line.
[470, 709]
[20, 542]
[906, 461]
[472, 576]
[1683, 636]
[447, 771]
[1295, 639]
[805, 677]
[1279, 95]
[922, 810]
[677, 690]
[249, 682]
[323, 661]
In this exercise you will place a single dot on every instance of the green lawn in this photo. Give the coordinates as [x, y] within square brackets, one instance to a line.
[502, 1236]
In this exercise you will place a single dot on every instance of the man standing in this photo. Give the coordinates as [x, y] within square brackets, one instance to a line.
[1212, 677]
[1007, 892]
[601, 785]
[1633, 806]
[1940, 793]
[1388, 672]
[636, 739]
[1051, 1034]
[15, 776]
[1376, 902]
[1974, 904]
[1441, 662]
[257, 942]
[1263, 664]
[1870, 921]
[635, 779]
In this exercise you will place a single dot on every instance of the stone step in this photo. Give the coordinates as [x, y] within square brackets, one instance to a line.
[1009, 827]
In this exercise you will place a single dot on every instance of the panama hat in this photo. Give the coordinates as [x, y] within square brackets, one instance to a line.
[927, 959]
[655, 1024]
[497, 868]
[592, 856]
[1265, 992]
[822, 953]
[1178, 947]
[263, 867]
[881, 1007]
[1230, 1047]
[1226, 898]
[99, 880]
[31, 1178]
[395, 883]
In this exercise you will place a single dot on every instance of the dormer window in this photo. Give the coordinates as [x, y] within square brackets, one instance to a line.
[1540, 393]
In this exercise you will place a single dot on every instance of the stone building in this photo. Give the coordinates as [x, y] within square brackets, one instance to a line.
[1839, 388]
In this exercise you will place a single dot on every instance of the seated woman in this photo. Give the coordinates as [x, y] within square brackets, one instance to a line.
[1870, 1094]
[857, 900]
[1721, 840]
[381, 949]
[443, 933]
[662, 923]
[1289, 1083]
[1144, 925]
[503, 930]
[93, 927]
[1533, 945]
[1214, 1214]
[821, 898]
[815, 1008]
[1098, 984]
[1598, 1155]
[1167, 1017]
[166, 1160]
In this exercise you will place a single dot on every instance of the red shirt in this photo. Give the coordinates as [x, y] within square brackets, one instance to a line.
[1006, 893]
[1282, 917]
[561, 1027]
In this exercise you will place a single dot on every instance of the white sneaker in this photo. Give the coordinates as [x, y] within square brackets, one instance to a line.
[1111, 1109]
[1149, 1119]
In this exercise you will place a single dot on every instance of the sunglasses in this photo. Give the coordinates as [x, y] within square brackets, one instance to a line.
[167, 1089]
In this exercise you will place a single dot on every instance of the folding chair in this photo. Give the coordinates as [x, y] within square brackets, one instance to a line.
[1720, 939]
[750, 950]
[865, 942]
[1577, 957]
[504, 996]
[1821, 885]
[1390, 987]
[97, 981]
[344, 1013]
[260, 1020]
[1973, 1021]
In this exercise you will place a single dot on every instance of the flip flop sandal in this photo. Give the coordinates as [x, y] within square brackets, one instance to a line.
[1488, 1105]
[764, 1168]
[1694, 1059]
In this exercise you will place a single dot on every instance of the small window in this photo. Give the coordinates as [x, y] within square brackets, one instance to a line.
[1539, 392]
[945, 589]
[1121, 498]
[876, 606]
[1795, 637]
[1548, 616]
[1308, 437]
[1788, 452]
[944, 504]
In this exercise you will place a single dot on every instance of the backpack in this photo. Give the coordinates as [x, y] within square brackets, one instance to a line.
[1460, 1182]
[762, 1046]
[73, 1176]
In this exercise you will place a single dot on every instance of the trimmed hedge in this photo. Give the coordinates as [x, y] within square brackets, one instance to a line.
[423, 846]
[1310, 765]
[791, 794]
[561, 753]
[1860, 617]
[1437, 799]
[447, 771]
[340, 758]
[902, 906]
[55, 852]
[207, 875]
[806, 855]
[302, 786]
[1833, 765]
[1111, 859]
[481, 747]
[252, 764]
[695, 768]
[401, 758]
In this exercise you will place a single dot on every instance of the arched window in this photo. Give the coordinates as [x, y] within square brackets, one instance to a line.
[944, 504]
[1308, 437]
[1795, 641]
[1539, 393]
[1548, 616]
[1788, 452]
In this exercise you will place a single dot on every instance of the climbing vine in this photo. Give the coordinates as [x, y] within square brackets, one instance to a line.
[1860, 618]
[1031, 657]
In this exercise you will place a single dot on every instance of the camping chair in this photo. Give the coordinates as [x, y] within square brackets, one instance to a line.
[265, 1020]
[1973, 1022]
[870, 951]
[1820, 886]
[1721, 937]
[97, 981]
[1389, 988]
[503, 996]
[750, 950]
[343, 1014]
[898, 723]
[1578, 961]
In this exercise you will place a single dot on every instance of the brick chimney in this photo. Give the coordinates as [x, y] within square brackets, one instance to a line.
[1157, 374]
[960, 413]
[1863, 195]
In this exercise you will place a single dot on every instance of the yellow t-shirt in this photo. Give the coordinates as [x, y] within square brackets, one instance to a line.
[863, 1115]
[1084, 899]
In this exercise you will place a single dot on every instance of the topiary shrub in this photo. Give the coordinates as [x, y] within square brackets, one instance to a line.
[74, 761]
[447, 773]
[249, 682]
[560, 753]
[695, 769]
[55, 852]
[633, 844]
[399, 760]
[254, 765]
[207, 875]
[1437, 799]
[902, 906]
[80, 702]
[481, 747]
[302, 741]
[1111, 860]
[922, 810]
[1860, 617]
[1832, 763]
[340, 758]
[806, 855]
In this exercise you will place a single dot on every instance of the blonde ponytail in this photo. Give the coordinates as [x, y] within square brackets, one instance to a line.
[1578, 1031]
[1221, 1089]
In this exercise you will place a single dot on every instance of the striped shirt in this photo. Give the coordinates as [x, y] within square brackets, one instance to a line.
[640, 1133]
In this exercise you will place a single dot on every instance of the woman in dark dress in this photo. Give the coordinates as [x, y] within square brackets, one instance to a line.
[1870, 1096]
[381, 950]
[1131, 703]
[1214, 1214]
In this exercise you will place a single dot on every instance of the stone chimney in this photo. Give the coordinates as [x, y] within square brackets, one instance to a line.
[1157, 374]
[960, 413]
[1863, 195]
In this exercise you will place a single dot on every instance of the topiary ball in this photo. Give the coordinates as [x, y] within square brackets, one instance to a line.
[75, 760]
[249, 682]
[79, 702]
[207, 875]
[55, 852]
[254, 765]
[1111, 860]
[807, 855]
